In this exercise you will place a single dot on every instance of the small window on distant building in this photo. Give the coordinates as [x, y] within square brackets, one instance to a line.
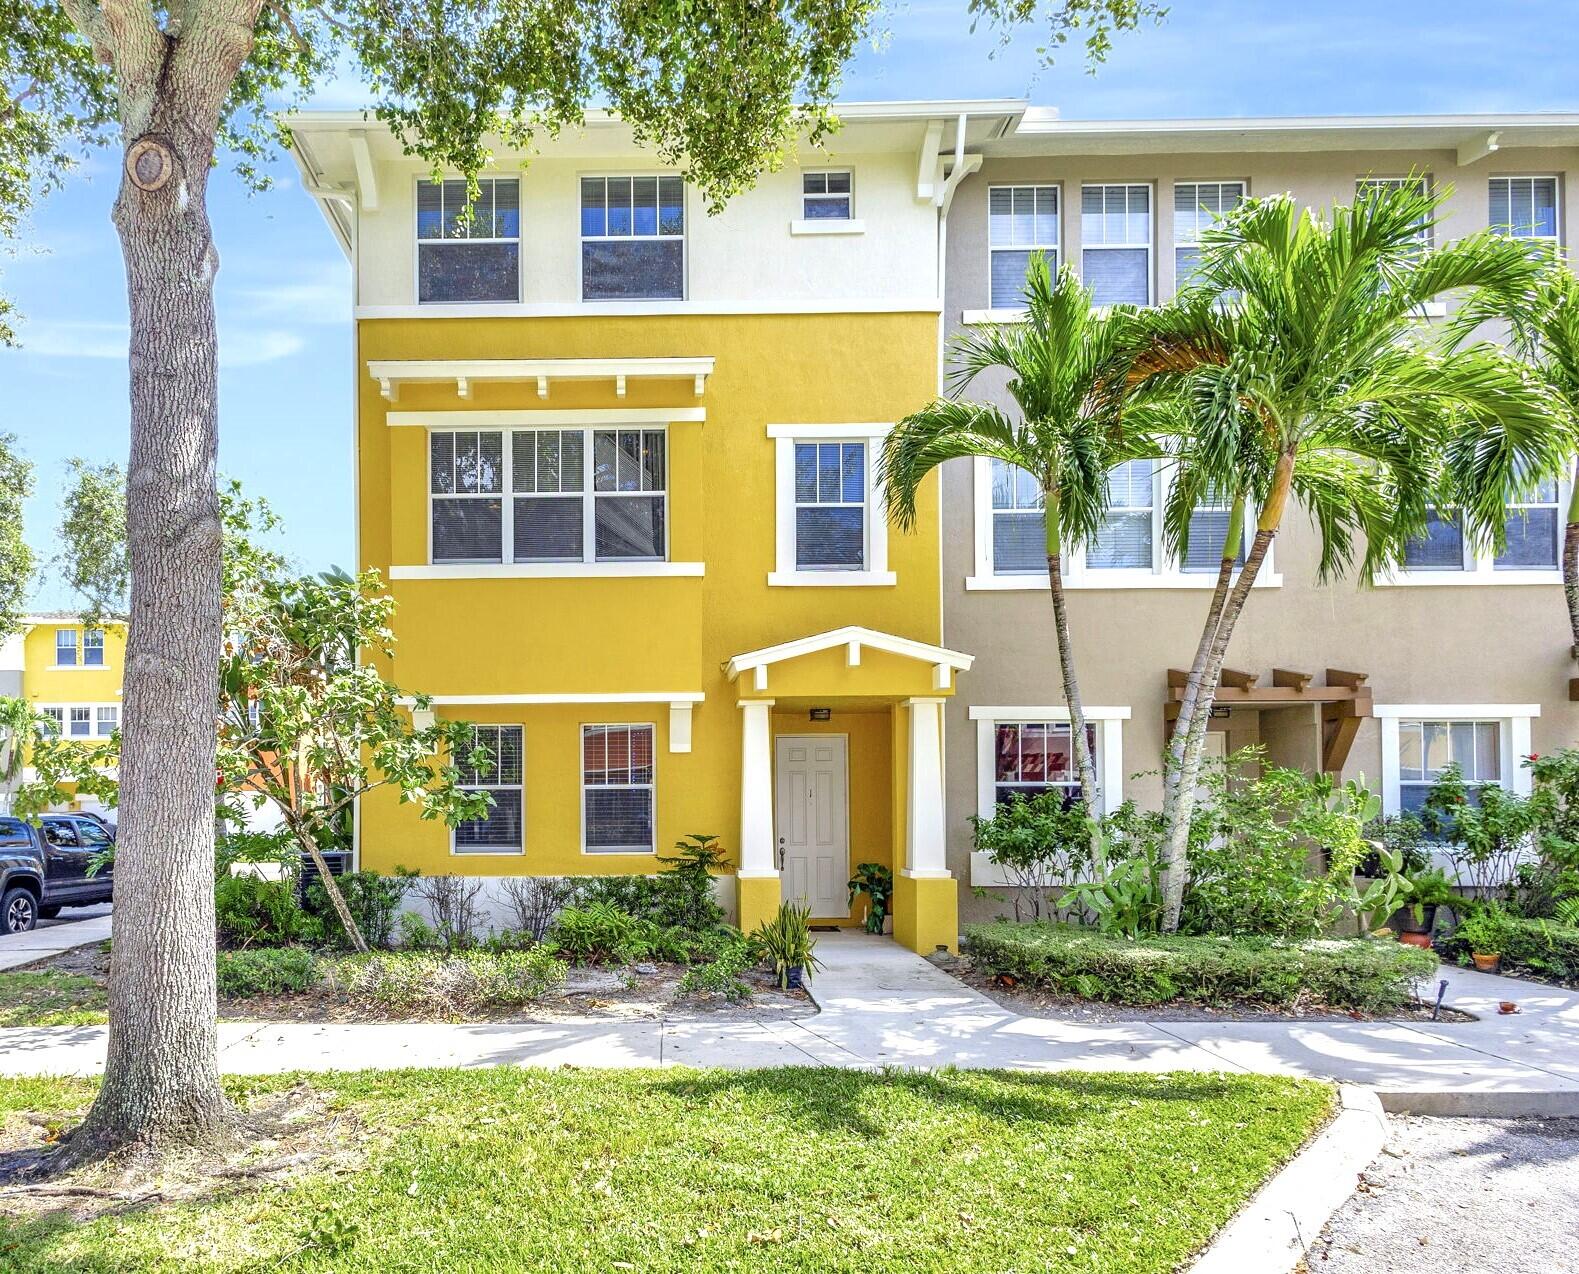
[826, 196]
[81, 721]
[93, 647]
[475, 260]
[107, 719]
[56, 720]
[66, 647]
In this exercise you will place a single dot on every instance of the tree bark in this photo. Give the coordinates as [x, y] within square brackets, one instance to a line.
[161, 1081]
[1571, 563]
[1066, 665]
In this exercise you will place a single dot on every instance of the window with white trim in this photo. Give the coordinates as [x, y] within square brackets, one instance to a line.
[93, 648]
[1196, 205]
[632, 238]
[1427, 748]
[502, 829]
[57, 719]
[827, 195]
[1533, 539]
[1116, 242]
[1208, 536]
[1126, 538]
[1526, 208]
[65, 647]
[830, 506]
[1420, 184]
[617, 786]
[564, 507]
[1021, 220]
[1032, 757]
[476, 259]
[80, 723]
[1019, 525]
[106, 720]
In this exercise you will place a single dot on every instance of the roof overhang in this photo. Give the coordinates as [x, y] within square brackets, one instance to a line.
[464, 373]
[945, 663]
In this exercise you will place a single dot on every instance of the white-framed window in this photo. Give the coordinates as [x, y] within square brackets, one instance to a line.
[1021, 220]
[57, 716]
[831, 523]
[79, 722]
[93, 647]
[1116, 242]
[1419, 740]
[502, 829]
[1128, 551]
[828, 195]
[1527, 208]
[65, 647]
[476, 260]
[617, 789]
[633, 238]
[1420, 183]
[575, 495]
[1030, 750]
[106, 720]
[1196, 204]
[1532, 553]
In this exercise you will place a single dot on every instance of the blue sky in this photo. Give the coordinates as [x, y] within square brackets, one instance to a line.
[283, 291]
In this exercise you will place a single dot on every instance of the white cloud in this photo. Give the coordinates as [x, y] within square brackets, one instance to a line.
[79, 338]
[322, 296]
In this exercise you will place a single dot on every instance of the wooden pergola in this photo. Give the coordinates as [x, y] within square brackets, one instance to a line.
[1344, 698]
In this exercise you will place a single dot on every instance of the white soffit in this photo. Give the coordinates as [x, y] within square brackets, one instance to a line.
[464, 373]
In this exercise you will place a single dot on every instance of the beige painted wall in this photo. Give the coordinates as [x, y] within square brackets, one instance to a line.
[1473, 644]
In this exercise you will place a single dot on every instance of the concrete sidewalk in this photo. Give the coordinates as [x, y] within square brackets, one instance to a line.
[882, 1005]
[74, 928]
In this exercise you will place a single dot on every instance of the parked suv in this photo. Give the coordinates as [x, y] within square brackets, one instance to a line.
[45, 868]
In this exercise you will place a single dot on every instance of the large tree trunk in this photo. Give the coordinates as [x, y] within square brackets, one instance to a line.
[1571, 563]
[1066, 665]
[161, 1081]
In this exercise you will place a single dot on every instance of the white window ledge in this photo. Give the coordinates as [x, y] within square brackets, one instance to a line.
[832, 579]
[975, 317]
[1109, 580]
[853, 225]
[1461, 579]
[549, 570]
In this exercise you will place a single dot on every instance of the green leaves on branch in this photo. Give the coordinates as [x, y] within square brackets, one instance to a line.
[93, 539]
[16, 485]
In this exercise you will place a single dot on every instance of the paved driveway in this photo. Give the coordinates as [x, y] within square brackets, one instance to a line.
[74, 927]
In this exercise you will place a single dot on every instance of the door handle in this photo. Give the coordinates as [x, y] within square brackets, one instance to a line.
[781, 853]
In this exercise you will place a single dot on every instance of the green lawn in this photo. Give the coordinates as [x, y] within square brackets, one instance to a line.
[51, 999]
[792, 1169]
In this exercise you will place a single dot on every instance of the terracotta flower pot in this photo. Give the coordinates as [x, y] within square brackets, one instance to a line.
[1486, 963]
[1507, 1006]
[1415, 940]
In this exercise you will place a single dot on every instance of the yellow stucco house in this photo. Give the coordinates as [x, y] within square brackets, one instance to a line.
[71, 671]
[617, 459]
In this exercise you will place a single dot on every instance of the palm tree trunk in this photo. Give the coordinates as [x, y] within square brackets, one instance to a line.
[1176, 850]
[1571, 563]
[1066, 664]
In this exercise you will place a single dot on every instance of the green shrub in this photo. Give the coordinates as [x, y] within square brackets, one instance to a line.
[250, 911]
[682, 894]
[634, 895]
[416, 934]
[373, 901]
[1538, 948]
[720, 974]
[1370, 975]
[601, 933]
[445, 984]
[266, 971]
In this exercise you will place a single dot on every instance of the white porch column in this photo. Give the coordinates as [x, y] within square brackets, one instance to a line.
[925, 850]
[756, 789]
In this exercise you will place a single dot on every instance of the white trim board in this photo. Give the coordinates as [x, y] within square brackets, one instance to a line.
[549, 570]
[631, 309]
[531, 419]
[618, 696]
[854, 639]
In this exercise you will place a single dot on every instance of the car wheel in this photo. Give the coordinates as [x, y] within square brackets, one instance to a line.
[18, 911]
[48, 913]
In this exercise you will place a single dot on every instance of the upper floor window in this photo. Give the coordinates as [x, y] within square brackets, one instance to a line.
[93, 647]
[827, 196]
[830, 506]
[1525, 208]
[1019, 536]
[1533, 539]
[1115, 243]
[1125, 540]
[1419, 184]
[632, 238]
[500, 830]
[1196, 204]
[617, 814]
[1208, 537]
[475, 259]
[65, 647]
[562, 508]
[1020, 220]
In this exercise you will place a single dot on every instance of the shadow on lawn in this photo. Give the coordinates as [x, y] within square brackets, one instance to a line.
[847, 1101]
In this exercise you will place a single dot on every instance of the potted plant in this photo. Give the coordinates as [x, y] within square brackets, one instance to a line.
[1414, 921]
[877, 883]
[786, 940]
[1486, 931]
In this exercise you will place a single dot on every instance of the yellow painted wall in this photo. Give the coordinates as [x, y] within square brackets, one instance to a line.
[42, 682]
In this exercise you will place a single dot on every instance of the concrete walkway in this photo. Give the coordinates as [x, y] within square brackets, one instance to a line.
[74, 927]
[881, 1005]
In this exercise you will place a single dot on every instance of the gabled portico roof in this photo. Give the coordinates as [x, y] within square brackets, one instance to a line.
[854, 639]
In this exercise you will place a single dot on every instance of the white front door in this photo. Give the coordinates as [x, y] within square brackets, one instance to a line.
[813, 821]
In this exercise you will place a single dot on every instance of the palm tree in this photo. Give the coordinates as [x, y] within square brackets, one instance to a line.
[1546, 334]
[1317, 386]
[1066, 364]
